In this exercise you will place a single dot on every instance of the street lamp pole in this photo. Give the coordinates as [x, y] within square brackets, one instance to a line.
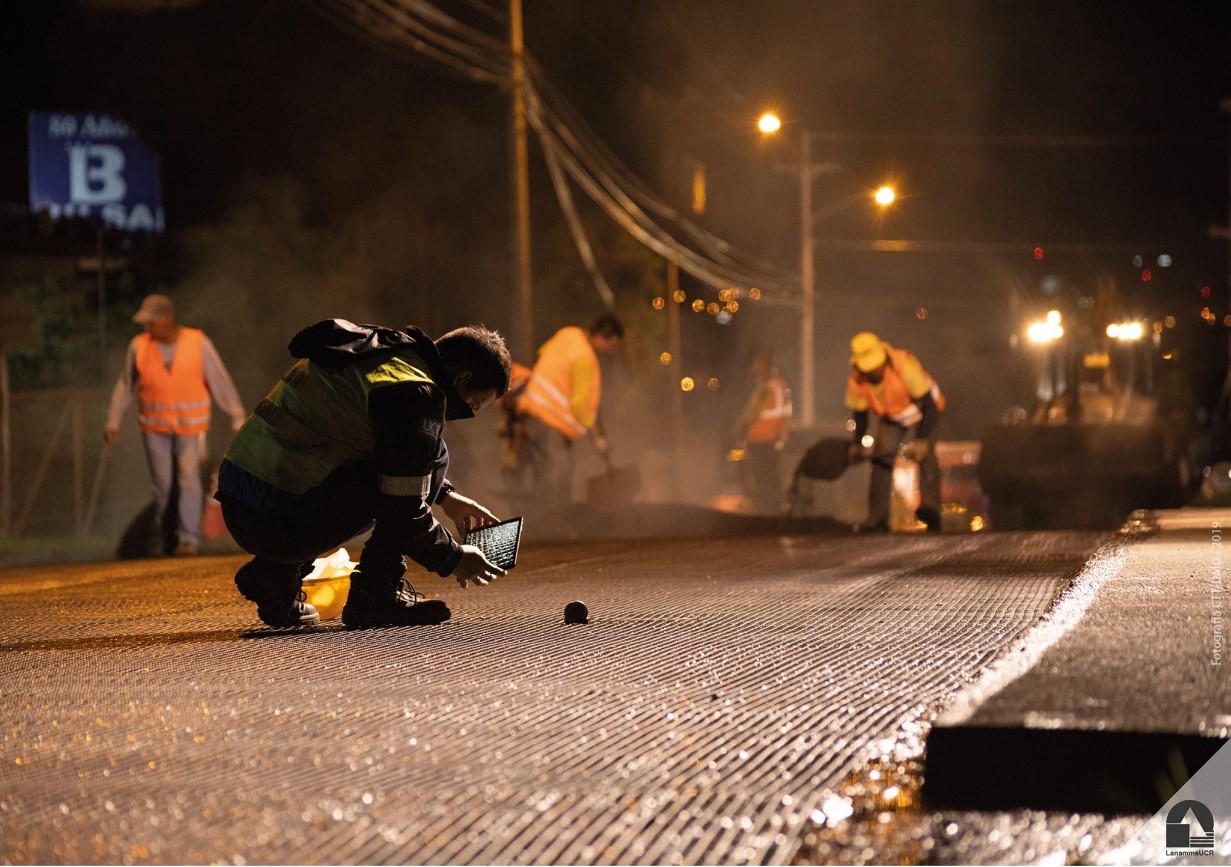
[769, 123]
[807, 319]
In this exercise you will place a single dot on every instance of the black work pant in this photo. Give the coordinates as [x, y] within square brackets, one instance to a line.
[343, 507]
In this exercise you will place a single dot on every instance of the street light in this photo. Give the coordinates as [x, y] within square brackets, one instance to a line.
[769, 123]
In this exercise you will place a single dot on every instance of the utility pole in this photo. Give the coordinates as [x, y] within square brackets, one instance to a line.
[808, 173]
[523, 342]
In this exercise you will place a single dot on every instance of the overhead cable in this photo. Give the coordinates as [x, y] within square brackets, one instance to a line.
[395, 27]
[578, 231]
[569, 144]
[635, 221]
[576, 131]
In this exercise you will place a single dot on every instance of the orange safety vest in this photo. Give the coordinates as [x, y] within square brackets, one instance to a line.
[894, 400]
[549, 395]
[519, 376]
[775, 416]
[176, 399]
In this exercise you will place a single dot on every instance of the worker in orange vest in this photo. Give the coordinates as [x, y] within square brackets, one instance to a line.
[763, 426]
[892, 384]
[560, 405]
[173, 371]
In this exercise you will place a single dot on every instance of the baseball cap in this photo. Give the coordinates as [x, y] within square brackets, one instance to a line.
[153, 305]
[867, 352]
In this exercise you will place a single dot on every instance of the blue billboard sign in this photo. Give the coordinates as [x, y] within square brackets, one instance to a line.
[94, 166]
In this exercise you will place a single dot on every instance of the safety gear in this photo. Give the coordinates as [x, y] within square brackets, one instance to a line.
[176, 399]
[566, 385]
[894, 397]
[771, 423]
[372, 602]
[315, 419]
[275, 588]
[867, 352]
[519, 378]
[512, 426]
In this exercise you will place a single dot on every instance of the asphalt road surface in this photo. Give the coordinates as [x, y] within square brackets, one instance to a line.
[720, 692]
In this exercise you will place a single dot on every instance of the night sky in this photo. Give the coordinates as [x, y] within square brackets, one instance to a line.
[270, 118]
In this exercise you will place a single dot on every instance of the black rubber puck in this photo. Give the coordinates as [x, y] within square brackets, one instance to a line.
[576, 612]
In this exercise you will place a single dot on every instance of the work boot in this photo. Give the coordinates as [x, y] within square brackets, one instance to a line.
[275, 588]
[372, 603]
[930, 516]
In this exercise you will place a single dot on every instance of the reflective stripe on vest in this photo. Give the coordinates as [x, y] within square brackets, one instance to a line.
[548, 393]
[898, 405]
[772, 422]
[315, 420]
[176, 399]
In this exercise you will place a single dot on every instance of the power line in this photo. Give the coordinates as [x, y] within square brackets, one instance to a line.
[497, 15]
[570, 143]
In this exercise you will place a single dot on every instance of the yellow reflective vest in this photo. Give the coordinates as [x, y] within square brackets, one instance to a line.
[566, 384]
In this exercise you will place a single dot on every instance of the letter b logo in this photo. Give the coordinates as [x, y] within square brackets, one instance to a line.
[94, 174]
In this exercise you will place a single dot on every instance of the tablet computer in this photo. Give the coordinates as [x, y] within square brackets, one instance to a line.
[498, 542]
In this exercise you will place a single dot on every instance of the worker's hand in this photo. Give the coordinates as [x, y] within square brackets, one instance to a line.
[856, 453]
[465, 513]
[110, 434]
[475, 568]
[602, 445]
[917, 450]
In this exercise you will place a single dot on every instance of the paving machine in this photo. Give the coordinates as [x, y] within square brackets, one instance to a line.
[1100, 434]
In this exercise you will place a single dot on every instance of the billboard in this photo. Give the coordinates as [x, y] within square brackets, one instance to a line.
[94, 166]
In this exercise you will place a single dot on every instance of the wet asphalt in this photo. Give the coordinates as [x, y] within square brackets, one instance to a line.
[724, 694]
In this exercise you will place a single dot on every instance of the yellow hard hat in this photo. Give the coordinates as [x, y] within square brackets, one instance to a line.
[867, 352]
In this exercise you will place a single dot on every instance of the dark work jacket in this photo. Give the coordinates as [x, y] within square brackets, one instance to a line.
[408, 431]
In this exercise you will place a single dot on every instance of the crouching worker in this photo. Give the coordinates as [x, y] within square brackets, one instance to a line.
[352, 438]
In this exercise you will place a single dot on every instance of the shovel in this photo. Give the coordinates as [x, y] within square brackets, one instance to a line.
[827, 459]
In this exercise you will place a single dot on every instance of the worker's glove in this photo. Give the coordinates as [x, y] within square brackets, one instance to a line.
[918, 450]
[857, 452]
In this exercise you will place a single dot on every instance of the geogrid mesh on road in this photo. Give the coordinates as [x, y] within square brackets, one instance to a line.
[720, 688]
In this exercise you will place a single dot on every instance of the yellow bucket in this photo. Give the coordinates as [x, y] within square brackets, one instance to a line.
[329, 583]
